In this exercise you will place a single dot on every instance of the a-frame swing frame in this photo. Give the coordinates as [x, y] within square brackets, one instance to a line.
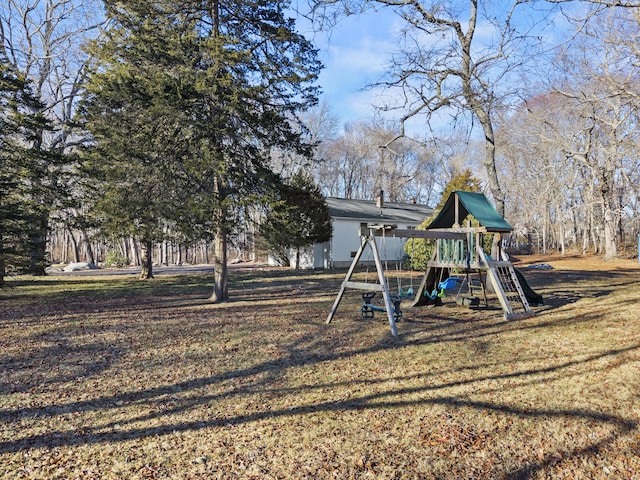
[368, 234]
[368, 239]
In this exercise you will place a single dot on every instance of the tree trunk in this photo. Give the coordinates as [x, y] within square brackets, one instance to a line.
[544, 234]
[38, 245]
[125, 249]
[74, 244]
[146, 260]
[481, 109]
[484, 117]
[297, 258]
[609, 226]
[220, 273]
[2, 266]
[87, 244]
[135, 251]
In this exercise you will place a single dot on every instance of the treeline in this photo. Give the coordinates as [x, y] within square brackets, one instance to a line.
[166, 115]
[162, 132]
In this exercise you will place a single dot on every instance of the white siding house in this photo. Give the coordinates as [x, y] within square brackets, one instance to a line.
[347, 215]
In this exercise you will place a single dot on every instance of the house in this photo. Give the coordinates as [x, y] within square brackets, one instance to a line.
[347, 215]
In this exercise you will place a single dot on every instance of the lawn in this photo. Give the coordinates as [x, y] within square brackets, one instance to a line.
[111, 377]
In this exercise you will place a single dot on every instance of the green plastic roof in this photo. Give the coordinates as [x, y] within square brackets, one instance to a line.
[472, 203]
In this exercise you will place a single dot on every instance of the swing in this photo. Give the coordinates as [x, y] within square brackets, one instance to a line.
[443, 285]
[437, 292]
[449, 283]
[410, 292]
[431, 296]
[367, 309]
[401, 292]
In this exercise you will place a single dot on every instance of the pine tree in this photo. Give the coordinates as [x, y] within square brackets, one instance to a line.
[18, 168]
[463, 182]
[42, 40]
[419, 251]
[199, 93]
[298, 219]
[136, 113]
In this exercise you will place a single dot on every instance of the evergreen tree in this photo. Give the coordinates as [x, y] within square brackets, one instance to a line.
[462, 182]
[18, 168]
[218, 85]
[42, 39]
[300, 218]
[137, 112]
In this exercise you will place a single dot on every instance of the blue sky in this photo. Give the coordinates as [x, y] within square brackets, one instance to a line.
[354, 54]
[357, 51]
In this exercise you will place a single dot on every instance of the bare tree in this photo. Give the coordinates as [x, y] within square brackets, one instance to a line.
[453, 58]
[604, 3]
[321, 129]
[43, 39]
[605, 97]
[541, 182]
[574, 151]
[359, 162]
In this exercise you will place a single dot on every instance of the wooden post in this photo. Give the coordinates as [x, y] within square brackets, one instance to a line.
[356, 259]
[495, 282]
[385, 289]
[420, 297]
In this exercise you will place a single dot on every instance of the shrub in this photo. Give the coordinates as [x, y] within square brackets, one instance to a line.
[115, 258]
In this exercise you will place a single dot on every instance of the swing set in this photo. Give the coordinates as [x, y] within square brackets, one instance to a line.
[457, 250]
[368, 309]
[368, 234]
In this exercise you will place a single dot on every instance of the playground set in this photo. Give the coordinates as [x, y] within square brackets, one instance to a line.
[459, 263]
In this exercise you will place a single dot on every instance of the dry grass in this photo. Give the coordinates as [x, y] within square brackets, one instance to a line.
[115, 378]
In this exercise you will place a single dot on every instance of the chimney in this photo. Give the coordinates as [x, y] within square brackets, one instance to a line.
[380, 199]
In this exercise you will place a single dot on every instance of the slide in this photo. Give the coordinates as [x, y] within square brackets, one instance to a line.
[534, 299]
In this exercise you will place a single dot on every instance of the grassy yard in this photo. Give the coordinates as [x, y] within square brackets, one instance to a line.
[109, 377]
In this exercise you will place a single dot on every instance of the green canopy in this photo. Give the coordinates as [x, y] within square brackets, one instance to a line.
[472, 203]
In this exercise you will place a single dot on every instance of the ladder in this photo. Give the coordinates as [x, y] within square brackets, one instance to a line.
[473, 286]
[507, 287]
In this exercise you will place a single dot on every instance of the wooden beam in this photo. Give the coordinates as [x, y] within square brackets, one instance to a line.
[373, 287]
[356, 259]
[461, 229]
[403, 233]
[369, 240]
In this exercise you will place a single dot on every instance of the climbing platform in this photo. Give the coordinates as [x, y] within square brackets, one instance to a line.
[477, 268]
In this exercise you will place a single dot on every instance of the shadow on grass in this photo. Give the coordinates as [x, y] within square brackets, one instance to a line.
[72, 362]
[81, 294]
[298, 356]
[308, 350]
